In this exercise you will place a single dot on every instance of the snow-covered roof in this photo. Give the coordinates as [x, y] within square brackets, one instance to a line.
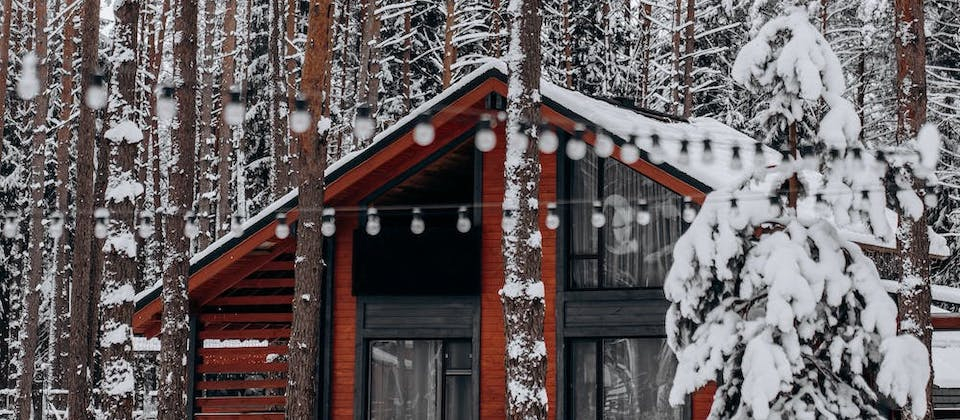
[938, 292]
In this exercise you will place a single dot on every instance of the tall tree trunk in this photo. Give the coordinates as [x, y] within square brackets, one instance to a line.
[522, 294]
[369, 57]
[675, 80]
[690, 43]
[31, 323]
[304, 353]
[567, 46]
[175, 328]
[277, 88]
[645, 52]
[449, 50]
[914, 245]
[5, 60]
[407, 52]
[291, 63]
[495, 44]
[120, 268]
[81, 316]
[224, 131]
[207, 130]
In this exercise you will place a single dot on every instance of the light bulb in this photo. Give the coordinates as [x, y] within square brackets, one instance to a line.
[55, 230]
[96, 96]
[282, 231]
[102, 217]
[684, 158]
[548, 142]
[300, 119]
[508, 222]
[597, 219]
[776, 210]
[234, 109]
[463, 221]
[834, 153]
[576, 148]
[707, 156]
[643, 213]
[689, 211]
[821, 204]
[190, 228]
[808, 157]
[553, 220]
[604, 144]
[734, 208]
[759, 161]
[329, 225]
[423, 132]
[930, 197]
[629, 152]
[485, 138]
[28, 86]
[10, 222]
[363, 124]
[736, 162]
[236, 226]
[856, 154]
[656, 150]
[373, 222]
[520, 139]
[417, 225]
[166, 106]
[145, 228]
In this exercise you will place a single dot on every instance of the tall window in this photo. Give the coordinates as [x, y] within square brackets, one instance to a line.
[620, 378]
[420, 379]
[622, 253]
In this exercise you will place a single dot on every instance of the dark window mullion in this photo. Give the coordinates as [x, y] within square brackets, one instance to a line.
[601, 265]
[600, 378]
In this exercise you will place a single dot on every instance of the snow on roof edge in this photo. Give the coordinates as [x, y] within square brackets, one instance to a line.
[939, 292]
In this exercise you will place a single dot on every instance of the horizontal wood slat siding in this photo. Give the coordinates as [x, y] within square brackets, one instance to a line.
[621, 312]
[396, 315]
[701, 401]
[344, 322]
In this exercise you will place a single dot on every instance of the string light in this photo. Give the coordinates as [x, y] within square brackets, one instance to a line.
[166, 107]
[548, 142]
[300, 119]
[236, 226]
[190, 228]
[463, 220]
[808, 157]
[27, 85]
[834, 153]
[328, 224]
[775, 208]
[629, 152]
[508, 222]
[758, 159]
[145, 227]
[10, 224]
[856, 154]
[96, 97]
[689, 211]
[282, 231]
[736, 162]
[707, 156]
[102, 218]
[576, 148]
[55, 230]
[423, 132]
[417, 225]
[643, 213]
[930, 197]
[604, 144]
[821, 204]
[485, 138]
[656, 150]
[363, 124]
[597, 219]
[880, 160]
[553, 220]
[520, 140]
[734, 208]
[684, 158]
[373, 222]
[233, 111]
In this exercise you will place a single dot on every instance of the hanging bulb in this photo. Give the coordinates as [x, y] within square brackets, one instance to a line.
[707, 156]
[643, 212]
[520, 140]
[363, 124]
[328, 225]
[759, 161]
[834, 153]
[166, 106]
[10, 225]
[576, 148]
[684, 158]
[234, 110]
[821, 204]
[508, 221]
[300, 119]
[734, 207]
[736, 162]
[28, 86]
[463, 220]
[548, 142]
[102, 218]
[373, 222]
[629, 152]
[597, 219]
[417, 225]
[236, 226]
[604, 144]
[808, 157]
[689, 211]
[553, 220]
[282, 231]
[485, 138]
[930, 197]
[776, 210]
[96, 97]
[856, 158]
[145, 227]
[881, 163]
[656, 150]
[190, 228]
[423, 132]
[55, 230]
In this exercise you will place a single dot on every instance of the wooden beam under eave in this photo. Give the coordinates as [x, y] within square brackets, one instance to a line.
[946, 322]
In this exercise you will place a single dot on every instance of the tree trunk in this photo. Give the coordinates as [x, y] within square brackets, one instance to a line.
[224, 131]
[292, 66]
[567, 46]
[675, 80]
[278, 95]
[522, 294]
[690, 43]
[304, 353]
[207, 130]
[449, 50]
[31, 307]
[81, 316]
[175, 329]
[120, 268]
[495, 44]
[645, 52]
[5, 60]
[369, 60]
[407, 52]
[914, 245]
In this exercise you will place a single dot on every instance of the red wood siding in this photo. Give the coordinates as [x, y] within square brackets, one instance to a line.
[701, 401]
[344, 321]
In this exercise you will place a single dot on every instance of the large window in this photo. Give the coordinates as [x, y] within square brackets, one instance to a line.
[420, 380]
[620, 378]
[622, 253]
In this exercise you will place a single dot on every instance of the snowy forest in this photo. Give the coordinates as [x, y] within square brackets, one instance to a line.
[136, 133]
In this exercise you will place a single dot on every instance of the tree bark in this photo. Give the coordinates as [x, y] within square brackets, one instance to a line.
[278, 124]
[175, 328]
[646, 55]
[913, 242]
[207, 130]
[5, 60]
[690, 43]
[449, 50]
[407, 52]
[224, 131]
[308, 285]
[120, 268]
[522, 294]
[675, 80]
[369, 60]
[81, 309]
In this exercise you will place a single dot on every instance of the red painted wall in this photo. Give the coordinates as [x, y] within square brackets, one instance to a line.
[344, 321]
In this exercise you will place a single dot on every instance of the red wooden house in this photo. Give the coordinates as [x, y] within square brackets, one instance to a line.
[413, 326]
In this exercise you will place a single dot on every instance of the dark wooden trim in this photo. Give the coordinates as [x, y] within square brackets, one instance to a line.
[945, 321]
[324, 402]
[192, 355]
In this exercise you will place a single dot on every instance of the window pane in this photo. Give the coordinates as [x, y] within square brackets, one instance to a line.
[404, 379]
[622, 250]
[583, 384]
[584, 274]
[659, 237]
[637, 376]
[458, 397]
[583, 191]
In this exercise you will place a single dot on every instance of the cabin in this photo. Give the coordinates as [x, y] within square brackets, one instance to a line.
[412, 323]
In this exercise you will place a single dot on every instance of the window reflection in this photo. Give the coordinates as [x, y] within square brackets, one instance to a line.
[420, 379]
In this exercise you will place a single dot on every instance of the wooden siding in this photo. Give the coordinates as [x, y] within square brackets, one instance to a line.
[344, 322]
